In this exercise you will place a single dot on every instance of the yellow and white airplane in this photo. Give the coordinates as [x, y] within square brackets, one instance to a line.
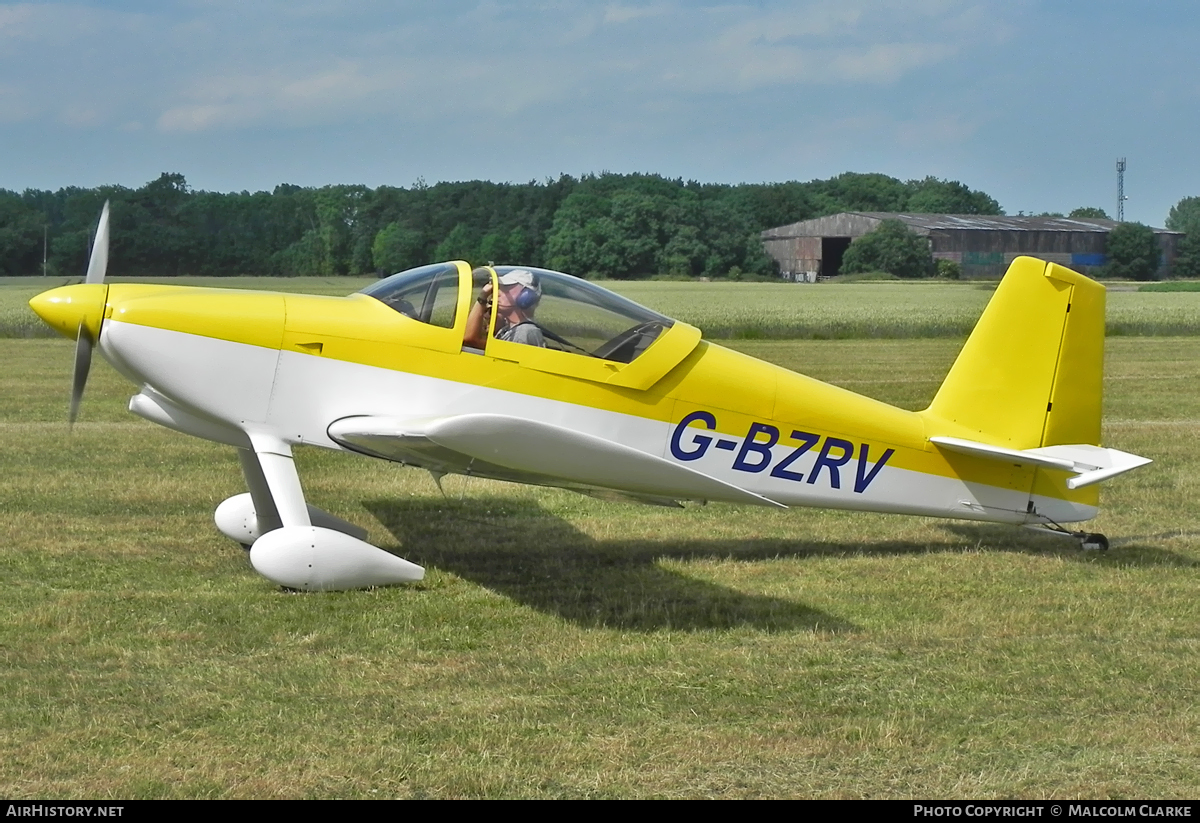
[538, 377]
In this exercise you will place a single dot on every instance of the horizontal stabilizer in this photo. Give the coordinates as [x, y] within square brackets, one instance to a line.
[534, 452]
[1089, 464]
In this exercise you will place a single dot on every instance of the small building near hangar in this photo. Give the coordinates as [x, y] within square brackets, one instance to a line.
[983, 245]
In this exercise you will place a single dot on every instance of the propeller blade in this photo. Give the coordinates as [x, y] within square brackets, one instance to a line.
[83, 364]
[97, 267]
[98, 263]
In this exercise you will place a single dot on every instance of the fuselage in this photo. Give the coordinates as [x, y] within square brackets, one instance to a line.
[220, 363]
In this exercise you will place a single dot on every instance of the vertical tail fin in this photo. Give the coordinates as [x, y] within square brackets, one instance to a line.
[1031, 373]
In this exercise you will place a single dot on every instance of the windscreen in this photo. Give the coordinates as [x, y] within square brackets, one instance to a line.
[428, 294]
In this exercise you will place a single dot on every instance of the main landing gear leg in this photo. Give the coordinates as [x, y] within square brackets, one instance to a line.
[246, 517]
[309, 550]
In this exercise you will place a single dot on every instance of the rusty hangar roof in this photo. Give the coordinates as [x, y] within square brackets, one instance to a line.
[854, 223]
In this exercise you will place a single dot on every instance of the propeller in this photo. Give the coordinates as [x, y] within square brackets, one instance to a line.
[97, 266]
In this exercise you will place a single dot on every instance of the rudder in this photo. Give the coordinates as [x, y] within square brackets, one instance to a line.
[1031, 373]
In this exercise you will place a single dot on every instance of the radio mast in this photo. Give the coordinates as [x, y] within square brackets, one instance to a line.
[1121, 190]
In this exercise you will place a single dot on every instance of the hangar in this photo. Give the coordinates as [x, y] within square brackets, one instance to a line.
[983, 245]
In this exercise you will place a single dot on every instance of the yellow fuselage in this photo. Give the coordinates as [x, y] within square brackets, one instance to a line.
[296, 363]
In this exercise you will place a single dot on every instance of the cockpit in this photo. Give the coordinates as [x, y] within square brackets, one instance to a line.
[570, 315]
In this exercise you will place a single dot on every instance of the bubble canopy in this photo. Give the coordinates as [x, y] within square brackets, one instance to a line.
[574, 315]
[415, 293]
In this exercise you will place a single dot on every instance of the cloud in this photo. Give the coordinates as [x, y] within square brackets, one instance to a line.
[623, 14]
[80, 116]
[886, 62]
[357, 91]
[66, 61]
[14, 20]
[515, 59]
[935, 129]
[801, 21]
[200, 66]
[823, 43]
[14, 107]
[280, 96]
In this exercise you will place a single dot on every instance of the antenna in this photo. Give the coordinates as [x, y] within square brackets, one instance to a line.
[1121, 198]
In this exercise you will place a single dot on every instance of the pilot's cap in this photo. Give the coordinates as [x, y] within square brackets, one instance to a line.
[520, 277]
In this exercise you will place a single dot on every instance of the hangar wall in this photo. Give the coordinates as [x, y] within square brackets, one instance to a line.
[984, 245]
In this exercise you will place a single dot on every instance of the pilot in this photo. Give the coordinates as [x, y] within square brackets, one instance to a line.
[515, 304]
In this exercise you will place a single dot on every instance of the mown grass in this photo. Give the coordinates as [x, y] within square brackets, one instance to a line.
[748, 311]
[1172, 285]
[565, 647]
[887, 310]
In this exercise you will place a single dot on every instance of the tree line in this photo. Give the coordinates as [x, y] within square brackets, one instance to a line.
[1185, 217]
[605, 225]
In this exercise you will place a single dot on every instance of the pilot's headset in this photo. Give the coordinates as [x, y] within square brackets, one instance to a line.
[529, 296]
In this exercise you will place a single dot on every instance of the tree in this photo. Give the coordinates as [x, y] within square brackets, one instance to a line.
[493, 248]
[949, 269]
[726, 227]
[756, 260]
[1089, 212]
[518, 246]
[1185, 217]
[615, 236]
[860, 192]
[305, 258]
[1133, 252]
[1187, 261]
[578, 233]
[891, 248]
[458, 245]
[397, 248]
[20, 236]
[615, 225]
[934, 196]
[683, 253]
[155, 238]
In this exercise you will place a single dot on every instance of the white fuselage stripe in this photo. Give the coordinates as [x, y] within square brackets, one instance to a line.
[299, 395]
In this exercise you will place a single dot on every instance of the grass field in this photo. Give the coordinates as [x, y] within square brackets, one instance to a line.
[565, 647]
[1172, 285]
[773, 311]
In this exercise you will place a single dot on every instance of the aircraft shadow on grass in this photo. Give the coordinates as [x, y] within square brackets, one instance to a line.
[1127, 550]
[518, 549]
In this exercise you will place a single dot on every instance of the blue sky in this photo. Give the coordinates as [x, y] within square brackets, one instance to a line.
[1029, 101]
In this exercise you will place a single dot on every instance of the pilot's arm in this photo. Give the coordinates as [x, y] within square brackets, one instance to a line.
[477, 319]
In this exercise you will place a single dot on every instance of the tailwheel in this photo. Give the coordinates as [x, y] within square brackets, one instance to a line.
[1093, 542]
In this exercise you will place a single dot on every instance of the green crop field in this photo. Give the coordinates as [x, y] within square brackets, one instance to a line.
[773, 311]
[562, 646]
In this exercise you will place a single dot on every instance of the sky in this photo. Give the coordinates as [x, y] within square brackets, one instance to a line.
[1031, 102]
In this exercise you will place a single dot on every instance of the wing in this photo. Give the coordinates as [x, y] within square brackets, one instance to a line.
[527, 451]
